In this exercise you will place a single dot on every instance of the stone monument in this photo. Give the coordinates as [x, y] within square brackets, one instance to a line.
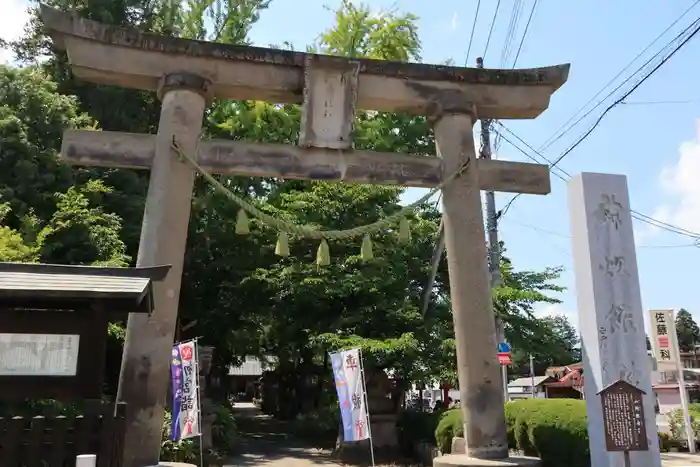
[611, 318]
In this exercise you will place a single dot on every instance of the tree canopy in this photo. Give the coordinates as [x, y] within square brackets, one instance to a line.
[236, 294]
[687, 330]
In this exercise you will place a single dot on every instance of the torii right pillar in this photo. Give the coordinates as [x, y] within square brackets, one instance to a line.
[480, 386]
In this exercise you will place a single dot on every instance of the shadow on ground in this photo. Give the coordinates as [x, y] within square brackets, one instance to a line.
[265, 442]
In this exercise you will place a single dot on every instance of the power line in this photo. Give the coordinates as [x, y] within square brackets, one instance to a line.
[510, 32]
[471, 36]
[549, 162]
[507, 44]
[561, 235]
[493, 23]
[660, 102]
[527, 27]
[655, 56]
[557, 134]
[634, 88]
[635, 214]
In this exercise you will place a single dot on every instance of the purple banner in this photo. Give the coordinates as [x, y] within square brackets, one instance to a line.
[176, 374]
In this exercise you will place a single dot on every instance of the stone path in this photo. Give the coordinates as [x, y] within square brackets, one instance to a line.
[680, 459]
[264, 443]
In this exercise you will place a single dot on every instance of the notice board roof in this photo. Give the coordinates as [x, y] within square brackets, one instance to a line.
[27, 283]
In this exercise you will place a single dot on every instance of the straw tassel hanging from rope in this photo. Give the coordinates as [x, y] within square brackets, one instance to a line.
[306, 231]
[242, 223]
[366, 249]
[404, 231]
[323, 255]
[282, 247]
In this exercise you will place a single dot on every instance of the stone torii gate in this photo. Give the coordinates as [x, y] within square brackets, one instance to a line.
[187, 74]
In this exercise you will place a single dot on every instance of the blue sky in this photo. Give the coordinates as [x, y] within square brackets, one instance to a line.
[656, 146]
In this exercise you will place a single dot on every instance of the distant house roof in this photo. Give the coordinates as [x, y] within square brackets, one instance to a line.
[33, 283]
[252, 366]
[573, 379]
[522, 382]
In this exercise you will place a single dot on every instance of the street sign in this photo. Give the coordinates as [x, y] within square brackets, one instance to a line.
[504, 358]
[504, 347]
[623, 417]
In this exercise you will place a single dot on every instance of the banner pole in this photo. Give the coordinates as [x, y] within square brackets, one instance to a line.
[682, 390]
[364, 390]
[195, 344]
[176, 382]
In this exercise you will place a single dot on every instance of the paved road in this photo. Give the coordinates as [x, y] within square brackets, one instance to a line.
[678, 459]
[265, 444]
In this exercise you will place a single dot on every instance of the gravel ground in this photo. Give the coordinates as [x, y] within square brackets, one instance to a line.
[264, 443]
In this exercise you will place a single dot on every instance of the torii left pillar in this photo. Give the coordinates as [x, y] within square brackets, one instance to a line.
[144, 373]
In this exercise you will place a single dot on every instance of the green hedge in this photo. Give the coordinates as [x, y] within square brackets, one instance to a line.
[224, 439]
[676, 425]
[319, 426]
[449, 426]
[416, 427]
[555, 430]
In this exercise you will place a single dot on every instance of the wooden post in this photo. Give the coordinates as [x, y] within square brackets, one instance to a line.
[475, 333]
[145, 367]
[86, 460]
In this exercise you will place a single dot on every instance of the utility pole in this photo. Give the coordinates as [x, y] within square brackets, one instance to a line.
[492, 228]
[532, 375]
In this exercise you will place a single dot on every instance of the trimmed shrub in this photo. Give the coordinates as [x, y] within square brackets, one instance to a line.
[676, 423]
[319, 425]
[449, 426]
[416, 427]
[224, 436]
[555, 430]
[666, 442]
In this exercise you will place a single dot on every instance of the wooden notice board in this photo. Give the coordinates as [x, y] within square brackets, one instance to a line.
[623, 417]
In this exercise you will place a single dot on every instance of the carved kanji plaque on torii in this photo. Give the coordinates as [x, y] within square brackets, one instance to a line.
[623, 417]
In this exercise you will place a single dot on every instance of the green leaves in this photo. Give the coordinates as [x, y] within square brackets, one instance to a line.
[360, 32]
[687, 330]
[80, 232]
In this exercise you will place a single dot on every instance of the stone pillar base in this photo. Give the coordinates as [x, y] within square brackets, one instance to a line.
[173, 464]
[385, 440]
[462, 460]
[459, 445]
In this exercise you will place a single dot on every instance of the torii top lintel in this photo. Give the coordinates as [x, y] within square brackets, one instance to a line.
[129, 58]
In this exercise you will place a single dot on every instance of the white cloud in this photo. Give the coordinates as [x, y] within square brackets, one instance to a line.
[454, 24]
[557, 309]
[680, 184]
[12, 20]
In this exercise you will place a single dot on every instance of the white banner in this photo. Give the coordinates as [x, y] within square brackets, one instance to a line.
[349, 382]
[663, 339]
